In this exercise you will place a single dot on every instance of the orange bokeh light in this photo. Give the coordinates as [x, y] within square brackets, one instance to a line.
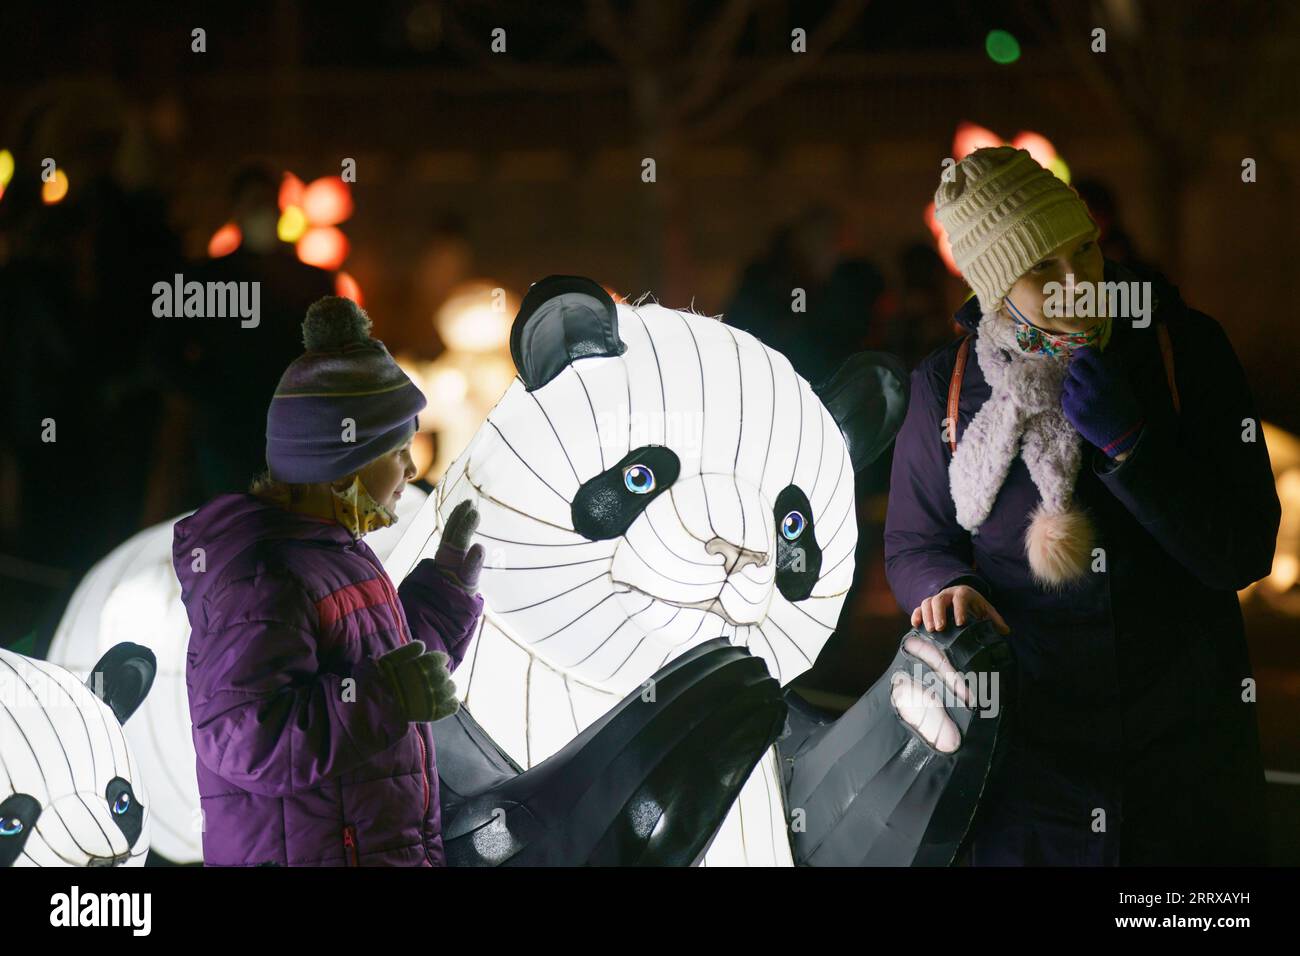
[970, 137]
[327, 201]
[225, 241]
[55, 189]
[348, 287]
[323, 247]
[1038, 146]
[291, 190]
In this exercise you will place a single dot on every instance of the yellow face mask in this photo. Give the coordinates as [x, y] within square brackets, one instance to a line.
[357, 511]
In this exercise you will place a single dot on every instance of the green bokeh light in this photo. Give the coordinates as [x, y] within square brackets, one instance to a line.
[1002, 47]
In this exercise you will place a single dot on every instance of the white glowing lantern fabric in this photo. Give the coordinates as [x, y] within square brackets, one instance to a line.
[62, 746]
[571, 624]
[133, 595]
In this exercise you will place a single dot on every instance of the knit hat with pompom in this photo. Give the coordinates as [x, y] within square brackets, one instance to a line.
[342, 403]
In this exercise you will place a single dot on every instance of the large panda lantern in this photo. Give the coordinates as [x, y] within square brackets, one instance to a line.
[655, 480]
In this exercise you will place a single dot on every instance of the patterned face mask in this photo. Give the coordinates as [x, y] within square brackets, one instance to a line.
[357, 511]
[1031, 338]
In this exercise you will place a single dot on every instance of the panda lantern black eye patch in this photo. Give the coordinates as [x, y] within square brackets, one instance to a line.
[125, 808]
[606, 505]
[18, 813]
[798, 558]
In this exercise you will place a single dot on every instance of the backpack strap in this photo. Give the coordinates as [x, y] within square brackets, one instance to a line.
[1167, 356]
[954, 387]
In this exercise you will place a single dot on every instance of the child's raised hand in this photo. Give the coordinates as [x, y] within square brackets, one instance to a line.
[456, 558]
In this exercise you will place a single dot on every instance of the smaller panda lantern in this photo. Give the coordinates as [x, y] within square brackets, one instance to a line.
[70, 791]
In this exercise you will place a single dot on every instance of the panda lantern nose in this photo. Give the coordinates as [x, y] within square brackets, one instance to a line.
[118, 860]
[735, 557]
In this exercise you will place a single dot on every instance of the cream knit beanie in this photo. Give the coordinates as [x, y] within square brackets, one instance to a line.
[1003, 214]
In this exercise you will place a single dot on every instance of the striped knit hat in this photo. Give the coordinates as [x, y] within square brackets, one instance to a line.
[1003, 214]
[344, 374]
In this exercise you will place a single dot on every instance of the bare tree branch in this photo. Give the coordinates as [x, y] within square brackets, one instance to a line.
[713, 56]
[833, 26]
[612, 35]
[1071, 40]
[551, 79]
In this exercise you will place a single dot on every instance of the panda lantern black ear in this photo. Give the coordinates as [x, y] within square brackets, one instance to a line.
[867, 397]
[562, 318]
[122, 678]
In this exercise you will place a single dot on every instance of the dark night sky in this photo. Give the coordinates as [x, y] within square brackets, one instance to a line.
[139, 40]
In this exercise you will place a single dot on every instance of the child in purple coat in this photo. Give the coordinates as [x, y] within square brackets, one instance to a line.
[312, 679]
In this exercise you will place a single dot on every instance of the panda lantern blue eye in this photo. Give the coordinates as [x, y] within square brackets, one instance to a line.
[639, 479]
[122, 803]
[792, 525]
[11, 827]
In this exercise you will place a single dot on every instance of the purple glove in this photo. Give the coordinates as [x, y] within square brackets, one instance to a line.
[455, 558]
[1099, 402]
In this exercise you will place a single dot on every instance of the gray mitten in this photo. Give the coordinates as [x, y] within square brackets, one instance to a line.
[420, 681]
[456, 558]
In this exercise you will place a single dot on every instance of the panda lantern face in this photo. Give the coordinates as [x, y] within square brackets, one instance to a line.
[653, 480]
[642, 503]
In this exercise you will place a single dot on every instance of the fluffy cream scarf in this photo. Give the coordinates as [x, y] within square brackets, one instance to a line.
[1024, 415]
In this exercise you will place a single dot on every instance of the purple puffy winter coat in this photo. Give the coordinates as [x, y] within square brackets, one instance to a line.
[1133, 742]
[303, 756]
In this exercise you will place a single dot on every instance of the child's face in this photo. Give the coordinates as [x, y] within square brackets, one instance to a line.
[387, 475]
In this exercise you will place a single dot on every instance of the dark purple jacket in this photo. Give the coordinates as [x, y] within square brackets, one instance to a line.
[1132, 742]
[303, 756]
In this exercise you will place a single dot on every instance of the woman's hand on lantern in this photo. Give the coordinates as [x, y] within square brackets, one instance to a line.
[967, 605]
[1099, 402]
[456, 558]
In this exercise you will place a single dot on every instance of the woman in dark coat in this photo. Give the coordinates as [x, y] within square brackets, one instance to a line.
[1104, 530]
